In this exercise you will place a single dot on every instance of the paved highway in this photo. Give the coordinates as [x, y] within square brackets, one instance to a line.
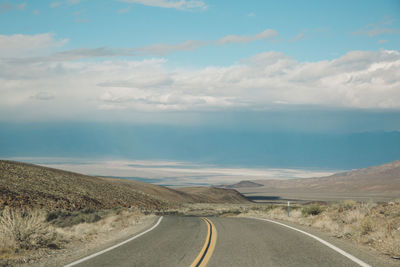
[194, 241]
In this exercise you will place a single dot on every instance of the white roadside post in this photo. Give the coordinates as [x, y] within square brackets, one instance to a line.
[288, 208]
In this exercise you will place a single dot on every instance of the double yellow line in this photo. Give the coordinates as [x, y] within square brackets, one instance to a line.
[208, 248]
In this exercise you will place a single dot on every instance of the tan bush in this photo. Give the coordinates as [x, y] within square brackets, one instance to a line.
[349, 204]
[352, 216]
[326, 223]
[24, 229]
[366, 226]
[313, 209]
[119, 219]
[391, 246]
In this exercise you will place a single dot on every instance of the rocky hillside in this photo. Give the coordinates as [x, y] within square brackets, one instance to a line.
[27, 185]
[23, 185]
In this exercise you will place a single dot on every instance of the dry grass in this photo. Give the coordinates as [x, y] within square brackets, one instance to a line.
[26, 232]
[209, 209]
[119, 219]
[23, 230]
[375, 225]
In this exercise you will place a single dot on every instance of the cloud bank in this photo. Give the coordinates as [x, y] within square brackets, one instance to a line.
[358, 79]
[36, 48]
[20, 45]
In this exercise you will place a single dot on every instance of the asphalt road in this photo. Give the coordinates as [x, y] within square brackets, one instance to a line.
[177, 241]
[248, 242]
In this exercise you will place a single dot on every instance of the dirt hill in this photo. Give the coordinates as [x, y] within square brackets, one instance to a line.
[153, 190]
[215, 195]
[185, 194]
[24, 184]
[244, 184]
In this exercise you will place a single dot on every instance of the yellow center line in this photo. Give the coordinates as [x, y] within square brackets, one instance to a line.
[208, 247]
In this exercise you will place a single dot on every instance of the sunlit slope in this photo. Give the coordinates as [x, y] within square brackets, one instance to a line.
[383, 178]
[24, 185]
[27, 185]
[199, 194]
[215, 195]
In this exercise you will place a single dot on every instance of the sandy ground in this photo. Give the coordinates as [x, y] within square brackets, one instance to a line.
[76, 250]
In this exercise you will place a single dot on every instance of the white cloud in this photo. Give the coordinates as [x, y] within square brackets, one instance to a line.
[6, 6]
[358, 79]
[65, 2]
[55, 4]
[124, 10]
[157, 81]
[266, 34]
[376, 29]
[181, 4]
[19, 45]
[164, 49]
[43, 96]
[73, 2]
[300, 36]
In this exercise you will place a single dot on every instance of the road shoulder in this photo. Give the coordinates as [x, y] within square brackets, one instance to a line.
[78, 249]
[364, 253]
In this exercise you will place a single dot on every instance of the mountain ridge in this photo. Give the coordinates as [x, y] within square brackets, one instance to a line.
[382, 178]
[29, 185]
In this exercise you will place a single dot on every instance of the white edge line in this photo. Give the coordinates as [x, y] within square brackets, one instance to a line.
[115, 246]
[344, 253]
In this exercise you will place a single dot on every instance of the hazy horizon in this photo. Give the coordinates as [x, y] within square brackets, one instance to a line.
[170, 173]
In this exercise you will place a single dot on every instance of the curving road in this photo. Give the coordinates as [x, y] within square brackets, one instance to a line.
[182, 241]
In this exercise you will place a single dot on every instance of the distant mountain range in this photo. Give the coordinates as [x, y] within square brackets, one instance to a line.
[383, 178]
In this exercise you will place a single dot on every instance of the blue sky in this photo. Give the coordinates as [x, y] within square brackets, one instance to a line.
[306, 30]
[289, 67]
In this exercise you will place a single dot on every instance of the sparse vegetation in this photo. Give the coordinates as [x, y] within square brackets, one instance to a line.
[25, 232]
[372, 224]
[30, 186]
[313, 209]
[62, 218]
